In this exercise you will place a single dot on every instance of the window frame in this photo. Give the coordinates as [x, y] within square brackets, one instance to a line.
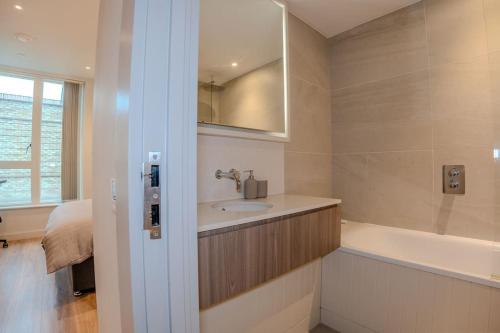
[36, 128]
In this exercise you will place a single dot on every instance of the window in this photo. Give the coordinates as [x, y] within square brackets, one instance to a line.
[31, 119]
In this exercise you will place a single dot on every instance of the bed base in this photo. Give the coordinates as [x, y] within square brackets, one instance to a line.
[83, 278]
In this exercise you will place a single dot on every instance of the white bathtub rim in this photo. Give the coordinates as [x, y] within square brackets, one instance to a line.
[427, 234]
[435, 269]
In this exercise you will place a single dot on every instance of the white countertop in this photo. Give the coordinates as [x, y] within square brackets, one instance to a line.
[210, 218]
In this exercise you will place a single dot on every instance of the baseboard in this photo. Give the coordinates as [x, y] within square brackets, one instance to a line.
[23, 235]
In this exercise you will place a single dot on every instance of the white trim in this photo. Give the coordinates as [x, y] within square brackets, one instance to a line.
[38, 74]
[29, 206]
[15, 164]
[253, 134]
[182, 168]
[24, 235]
[134, 160]
[36, 130]
[233, 132]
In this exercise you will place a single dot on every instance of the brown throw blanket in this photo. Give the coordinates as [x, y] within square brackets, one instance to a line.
[68, 235]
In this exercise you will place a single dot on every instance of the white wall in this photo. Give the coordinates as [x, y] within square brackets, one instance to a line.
[24, 223]
[265, 158]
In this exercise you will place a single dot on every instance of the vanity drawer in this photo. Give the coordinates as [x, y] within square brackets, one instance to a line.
[236, 259]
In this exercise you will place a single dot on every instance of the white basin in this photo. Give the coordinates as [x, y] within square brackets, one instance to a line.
[242, 206]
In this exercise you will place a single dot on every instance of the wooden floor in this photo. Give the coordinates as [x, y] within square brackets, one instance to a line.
[32, 301]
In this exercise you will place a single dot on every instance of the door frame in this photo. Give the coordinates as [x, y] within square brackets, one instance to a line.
[139, 47]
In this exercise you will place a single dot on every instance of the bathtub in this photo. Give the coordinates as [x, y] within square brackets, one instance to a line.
[463, 258]
[385, 279]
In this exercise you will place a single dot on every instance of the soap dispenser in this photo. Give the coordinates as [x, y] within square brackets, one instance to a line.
[250, 186]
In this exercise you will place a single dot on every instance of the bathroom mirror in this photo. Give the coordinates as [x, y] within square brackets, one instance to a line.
[242, 72]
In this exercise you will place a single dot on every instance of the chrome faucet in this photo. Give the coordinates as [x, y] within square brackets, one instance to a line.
[231, 174]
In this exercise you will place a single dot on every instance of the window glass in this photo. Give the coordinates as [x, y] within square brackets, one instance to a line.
[16, 109]
[15, 186]
[51, 142]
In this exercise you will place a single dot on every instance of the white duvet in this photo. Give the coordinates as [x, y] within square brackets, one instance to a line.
[68, 235]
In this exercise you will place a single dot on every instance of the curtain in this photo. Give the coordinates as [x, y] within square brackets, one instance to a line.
[69, 155]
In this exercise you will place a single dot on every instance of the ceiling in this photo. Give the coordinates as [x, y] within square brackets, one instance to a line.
[63, 36]
[246, 32]
[331, 17]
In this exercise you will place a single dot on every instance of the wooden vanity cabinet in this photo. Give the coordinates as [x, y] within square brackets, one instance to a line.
[236, 259]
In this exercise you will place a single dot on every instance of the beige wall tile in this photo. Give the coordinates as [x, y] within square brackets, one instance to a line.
[400, 189]
[497, 229]
[462, 90]
[473, 221]
[473, 214]
[382, 136]
[480, 188]
[492, 15]
[388, 115]
[447, 109]
[404, 97]
[308, 174]
[311, 129]
[308, 165]
[350, 183]
[456, 30]
[494, 68]
[387, 47]
[454, 132]
[308, 53]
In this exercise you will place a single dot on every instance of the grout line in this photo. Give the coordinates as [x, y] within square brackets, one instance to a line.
[384, 152]
[308, 153]
[431, 108]
[379, 80]
[325, 90]
[485, 21]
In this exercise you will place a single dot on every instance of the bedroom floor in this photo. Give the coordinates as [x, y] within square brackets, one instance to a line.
[32, 301]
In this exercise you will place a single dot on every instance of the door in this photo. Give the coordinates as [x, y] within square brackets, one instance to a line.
[154, 146]
[168, 103]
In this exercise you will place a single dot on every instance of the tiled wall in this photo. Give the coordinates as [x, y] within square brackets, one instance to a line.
[412, 91]
[308, 156]
[362, 295]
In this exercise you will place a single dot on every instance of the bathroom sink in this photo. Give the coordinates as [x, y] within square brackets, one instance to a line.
[242, 206]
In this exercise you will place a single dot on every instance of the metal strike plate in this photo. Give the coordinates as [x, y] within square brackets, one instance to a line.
[152, 195]
[453, 179]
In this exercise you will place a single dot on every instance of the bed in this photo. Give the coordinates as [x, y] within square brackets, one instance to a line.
[68, 242]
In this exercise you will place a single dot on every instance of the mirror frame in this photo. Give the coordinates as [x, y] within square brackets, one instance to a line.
[255, 134]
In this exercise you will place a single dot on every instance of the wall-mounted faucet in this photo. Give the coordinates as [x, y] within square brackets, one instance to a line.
[453, 179]
[232, 174]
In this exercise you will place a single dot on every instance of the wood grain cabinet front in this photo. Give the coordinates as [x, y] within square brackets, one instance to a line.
[236, 259]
